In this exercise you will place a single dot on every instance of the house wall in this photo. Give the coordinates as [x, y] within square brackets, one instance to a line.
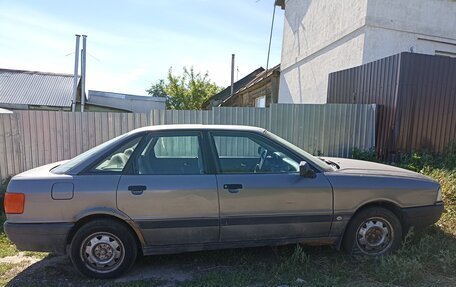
[306, 82]
[325, 36]
[419, 26]
[268, 87]
[247, 98]
[96, 108]
[318, 35]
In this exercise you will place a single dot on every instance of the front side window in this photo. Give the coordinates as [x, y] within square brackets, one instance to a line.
[170, 155]
[247, 153]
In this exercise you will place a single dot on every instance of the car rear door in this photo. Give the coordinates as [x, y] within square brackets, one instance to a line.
[271, 201]
[168, 192]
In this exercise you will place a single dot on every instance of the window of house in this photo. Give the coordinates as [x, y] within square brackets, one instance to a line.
[260, 102]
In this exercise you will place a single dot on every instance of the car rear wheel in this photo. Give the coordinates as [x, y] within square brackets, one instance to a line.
[374, 231]
[103, 249]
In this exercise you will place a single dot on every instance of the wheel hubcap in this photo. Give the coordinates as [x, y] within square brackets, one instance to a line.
[102, 252]
[374, 236]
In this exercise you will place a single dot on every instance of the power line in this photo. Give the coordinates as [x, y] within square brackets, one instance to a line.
[270, 36]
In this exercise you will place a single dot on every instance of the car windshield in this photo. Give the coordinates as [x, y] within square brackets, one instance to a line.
[312, 159]
[65, 167]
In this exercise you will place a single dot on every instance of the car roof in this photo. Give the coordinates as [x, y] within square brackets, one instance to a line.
[199, 127]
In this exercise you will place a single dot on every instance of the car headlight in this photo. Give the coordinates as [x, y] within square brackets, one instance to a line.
[439, 195]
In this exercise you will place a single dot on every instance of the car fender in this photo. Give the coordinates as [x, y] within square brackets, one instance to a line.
[111, 212]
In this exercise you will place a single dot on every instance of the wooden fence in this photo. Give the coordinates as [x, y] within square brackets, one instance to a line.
[32, 138]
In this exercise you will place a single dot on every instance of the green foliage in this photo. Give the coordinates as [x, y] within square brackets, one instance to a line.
[369, 154]
[158, 89]
[187, 91]
[6, 247]
[417, 161]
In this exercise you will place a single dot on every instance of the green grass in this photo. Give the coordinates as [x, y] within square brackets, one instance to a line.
[427, 257]
[6, 247]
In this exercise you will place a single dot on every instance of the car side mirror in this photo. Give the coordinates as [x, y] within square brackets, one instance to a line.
[305, 170]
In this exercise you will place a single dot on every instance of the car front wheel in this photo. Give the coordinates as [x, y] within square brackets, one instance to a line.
[103, 249]
[374, 231]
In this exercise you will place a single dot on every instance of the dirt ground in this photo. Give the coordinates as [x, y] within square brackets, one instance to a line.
[58, 271]
[163, 270]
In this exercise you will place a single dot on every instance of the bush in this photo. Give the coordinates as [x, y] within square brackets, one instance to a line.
[368, 155]
[416, 161]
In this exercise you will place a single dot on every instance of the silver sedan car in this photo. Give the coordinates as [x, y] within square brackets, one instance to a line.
[179, 188]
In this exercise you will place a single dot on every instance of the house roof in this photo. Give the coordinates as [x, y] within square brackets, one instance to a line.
[259, 77]
[5, 111]
[226, 93]
[35, 88]
[127, 102]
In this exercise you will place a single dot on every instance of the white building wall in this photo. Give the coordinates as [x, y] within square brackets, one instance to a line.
[307, 81]
[323, 36]
[420, 26]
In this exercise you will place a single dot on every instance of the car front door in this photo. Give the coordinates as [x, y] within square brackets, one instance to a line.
[262, 195]
[168, 192]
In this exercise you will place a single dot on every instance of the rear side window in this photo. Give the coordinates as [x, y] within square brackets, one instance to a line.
[176, 147]
[170, 155]
[87, 155]
[117, 160]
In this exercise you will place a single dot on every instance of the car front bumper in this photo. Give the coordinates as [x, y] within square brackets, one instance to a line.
[423, 215]
[44, 237]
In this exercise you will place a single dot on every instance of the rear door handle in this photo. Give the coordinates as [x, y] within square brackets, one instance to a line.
[233, 188]
[137, 189]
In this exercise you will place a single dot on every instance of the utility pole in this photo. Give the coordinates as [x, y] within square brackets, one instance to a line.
[75, 77]
[83, 70]
[232, 75]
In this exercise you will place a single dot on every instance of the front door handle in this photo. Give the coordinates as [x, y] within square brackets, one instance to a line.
[233, 188]
[137, 189]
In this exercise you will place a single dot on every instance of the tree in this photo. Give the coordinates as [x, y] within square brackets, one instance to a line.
[184, 92]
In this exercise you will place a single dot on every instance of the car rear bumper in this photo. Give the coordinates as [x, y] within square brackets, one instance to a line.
[423, 215]
[45, 237]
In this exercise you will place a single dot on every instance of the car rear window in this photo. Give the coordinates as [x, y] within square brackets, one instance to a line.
[64, 168]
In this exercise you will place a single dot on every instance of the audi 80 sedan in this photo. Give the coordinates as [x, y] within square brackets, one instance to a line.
[178, 188]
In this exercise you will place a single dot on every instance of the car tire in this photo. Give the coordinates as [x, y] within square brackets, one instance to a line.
[374, 231]
[103, 249]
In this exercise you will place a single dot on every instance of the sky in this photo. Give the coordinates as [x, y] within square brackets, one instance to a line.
[132, 44]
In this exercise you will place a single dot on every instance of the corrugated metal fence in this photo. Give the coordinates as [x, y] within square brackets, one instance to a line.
[416, 95]
[32, 138]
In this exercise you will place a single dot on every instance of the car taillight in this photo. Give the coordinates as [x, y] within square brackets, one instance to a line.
[14, 203]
